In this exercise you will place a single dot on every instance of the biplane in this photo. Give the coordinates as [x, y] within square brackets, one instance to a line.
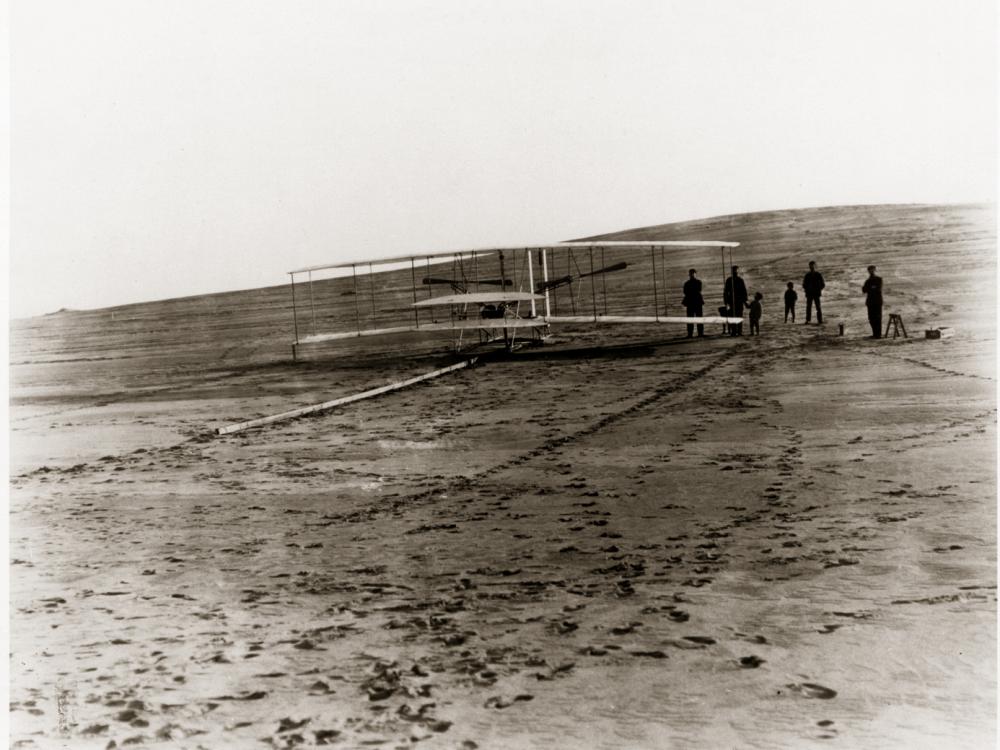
[496, 293]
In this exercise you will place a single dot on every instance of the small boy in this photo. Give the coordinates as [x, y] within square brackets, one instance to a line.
[790, 298]
[756, 310]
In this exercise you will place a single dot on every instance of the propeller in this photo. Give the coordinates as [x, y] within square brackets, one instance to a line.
[544, 286]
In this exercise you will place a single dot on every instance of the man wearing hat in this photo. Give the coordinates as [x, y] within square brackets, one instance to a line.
[693, 302]
[735, 297]
[813, 285]
[873, 288]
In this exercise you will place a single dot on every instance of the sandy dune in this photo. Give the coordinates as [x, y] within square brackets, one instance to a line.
[619, 539]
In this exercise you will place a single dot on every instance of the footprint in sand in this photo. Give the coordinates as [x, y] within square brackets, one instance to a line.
[692, 642]
[256, 695]
[626, 629]
[564, 627]
[287, 725]
[812, 690]
[497, 701]
[554, 672]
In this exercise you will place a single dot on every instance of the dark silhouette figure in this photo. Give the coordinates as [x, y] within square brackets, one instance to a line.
[790, 299]
[493, 311]
[873, 288]
[812, 285]
[693, 302]
[735, 296]
[756, 311]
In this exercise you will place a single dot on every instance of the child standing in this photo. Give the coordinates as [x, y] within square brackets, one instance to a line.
[790, 298]
[756, 310]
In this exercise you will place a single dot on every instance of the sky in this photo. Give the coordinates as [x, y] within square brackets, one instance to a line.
[177, 147]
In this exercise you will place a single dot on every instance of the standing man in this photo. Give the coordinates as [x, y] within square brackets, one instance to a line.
[813, 285]
[693, 302]
[735, 297]
[873, 288]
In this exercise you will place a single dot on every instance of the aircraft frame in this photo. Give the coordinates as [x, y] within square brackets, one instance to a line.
[506, 325]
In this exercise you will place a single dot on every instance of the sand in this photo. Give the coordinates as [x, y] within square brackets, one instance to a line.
[620, 539]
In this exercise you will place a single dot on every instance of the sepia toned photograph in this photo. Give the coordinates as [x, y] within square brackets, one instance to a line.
[454, 375]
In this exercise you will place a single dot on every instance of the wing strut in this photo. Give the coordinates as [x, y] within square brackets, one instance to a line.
[295, 318]
[531, 281]
[312, 305]
[371, 278]
[663, 272]
[503, 285]
[357, 308]
[413, 287]
[656, 295]
[604, 283]
[593, 283]
[545, 279]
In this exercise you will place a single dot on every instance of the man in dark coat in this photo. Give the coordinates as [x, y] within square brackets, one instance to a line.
[735, 301]
[694, 302]
[873, 288]
[813, 285]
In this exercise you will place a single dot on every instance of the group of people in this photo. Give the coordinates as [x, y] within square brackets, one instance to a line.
[737, 299]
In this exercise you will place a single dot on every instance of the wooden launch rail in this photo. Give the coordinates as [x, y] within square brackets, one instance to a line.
[301, 411]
